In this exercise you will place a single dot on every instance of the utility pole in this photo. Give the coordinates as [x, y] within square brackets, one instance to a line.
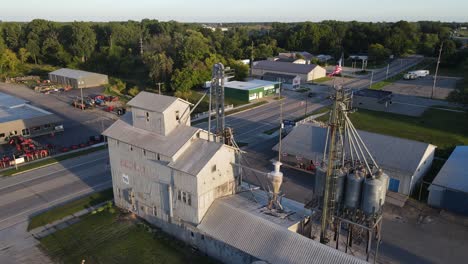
[437, 69]
[82, 100]
[251, 59]
[159, 86]
[388, 68]
[371, 79]
[141, 46]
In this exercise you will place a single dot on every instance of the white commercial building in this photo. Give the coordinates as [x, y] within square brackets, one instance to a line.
[307, 72]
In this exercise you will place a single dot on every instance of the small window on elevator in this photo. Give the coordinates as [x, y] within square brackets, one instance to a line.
[147, 117]
[177, 117]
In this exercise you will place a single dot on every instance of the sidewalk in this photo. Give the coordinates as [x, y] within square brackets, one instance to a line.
[50, 228]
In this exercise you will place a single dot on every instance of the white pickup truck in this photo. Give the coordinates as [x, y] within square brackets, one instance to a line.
[415, 74]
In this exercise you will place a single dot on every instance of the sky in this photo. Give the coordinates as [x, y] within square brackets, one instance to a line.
[235, 10]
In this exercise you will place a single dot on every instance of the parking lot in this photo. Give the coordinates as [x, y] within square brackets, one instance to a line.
[79, 124]
[423, 87]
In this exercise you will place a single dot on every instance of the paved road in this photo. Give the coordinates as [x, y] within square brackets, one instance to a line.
[29, 193]
[363, 81]
[249, 125]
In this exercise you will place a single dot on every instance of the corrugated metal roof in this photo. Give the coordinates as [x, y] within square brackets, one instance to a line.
[153, 102]
[454, 173]
[285, 67]
[196, 156]
[264, 239]
[166, 145]
[392, 153]
[72, 73]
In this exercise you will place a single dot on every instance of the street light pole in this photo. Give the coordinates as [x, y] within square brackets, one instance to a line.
[386, 75]
[371, 79]
[437, 70]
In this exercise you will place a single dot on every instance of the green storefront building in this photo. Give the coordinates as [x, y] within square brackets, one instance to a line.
[251, 90]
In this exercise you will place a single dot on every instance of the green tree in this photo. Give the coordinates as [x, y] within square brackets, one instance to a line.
[159, 66]
[183, 81]
[8, 61]
[195, 47]
[263, 51]
[378, 53]
[241, 71]
[23, 55]
[83, 40]
[12, 35]
[33, 47]
[54, 52]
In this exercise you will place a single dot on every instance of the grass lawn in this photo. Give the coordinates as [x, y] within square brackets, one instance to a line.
[60, 212]
[322, 80]
[116, 238]
[30, 166]
[455, 71]
[444, 129]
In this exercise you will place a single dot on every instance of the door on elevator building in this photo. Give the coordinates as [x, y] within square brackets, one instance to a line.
[393, 185]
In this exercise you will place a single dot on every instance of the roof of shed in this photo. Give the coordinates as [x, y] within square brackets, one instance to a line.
[392, 153]
[237, 221]
[195, 158]
[72, 73]
[454, 173]
[284, 66]
[153, 102]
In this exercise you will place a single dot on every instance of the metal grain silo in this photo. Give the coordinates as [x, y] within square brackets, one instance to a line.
[371, 196]
[320, 174]
[340, 184]
[386, 181]
[353, 190]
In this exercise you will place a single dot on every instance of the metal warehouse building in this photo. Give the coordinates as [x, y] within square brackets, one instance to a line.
[251, 90]
[307, 72]
[77, 78]
[18, 118]
[405, 161]
[449, 190]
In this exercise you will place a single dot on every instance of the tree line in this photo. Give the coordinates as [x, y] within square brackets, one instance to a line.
[180, 55]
